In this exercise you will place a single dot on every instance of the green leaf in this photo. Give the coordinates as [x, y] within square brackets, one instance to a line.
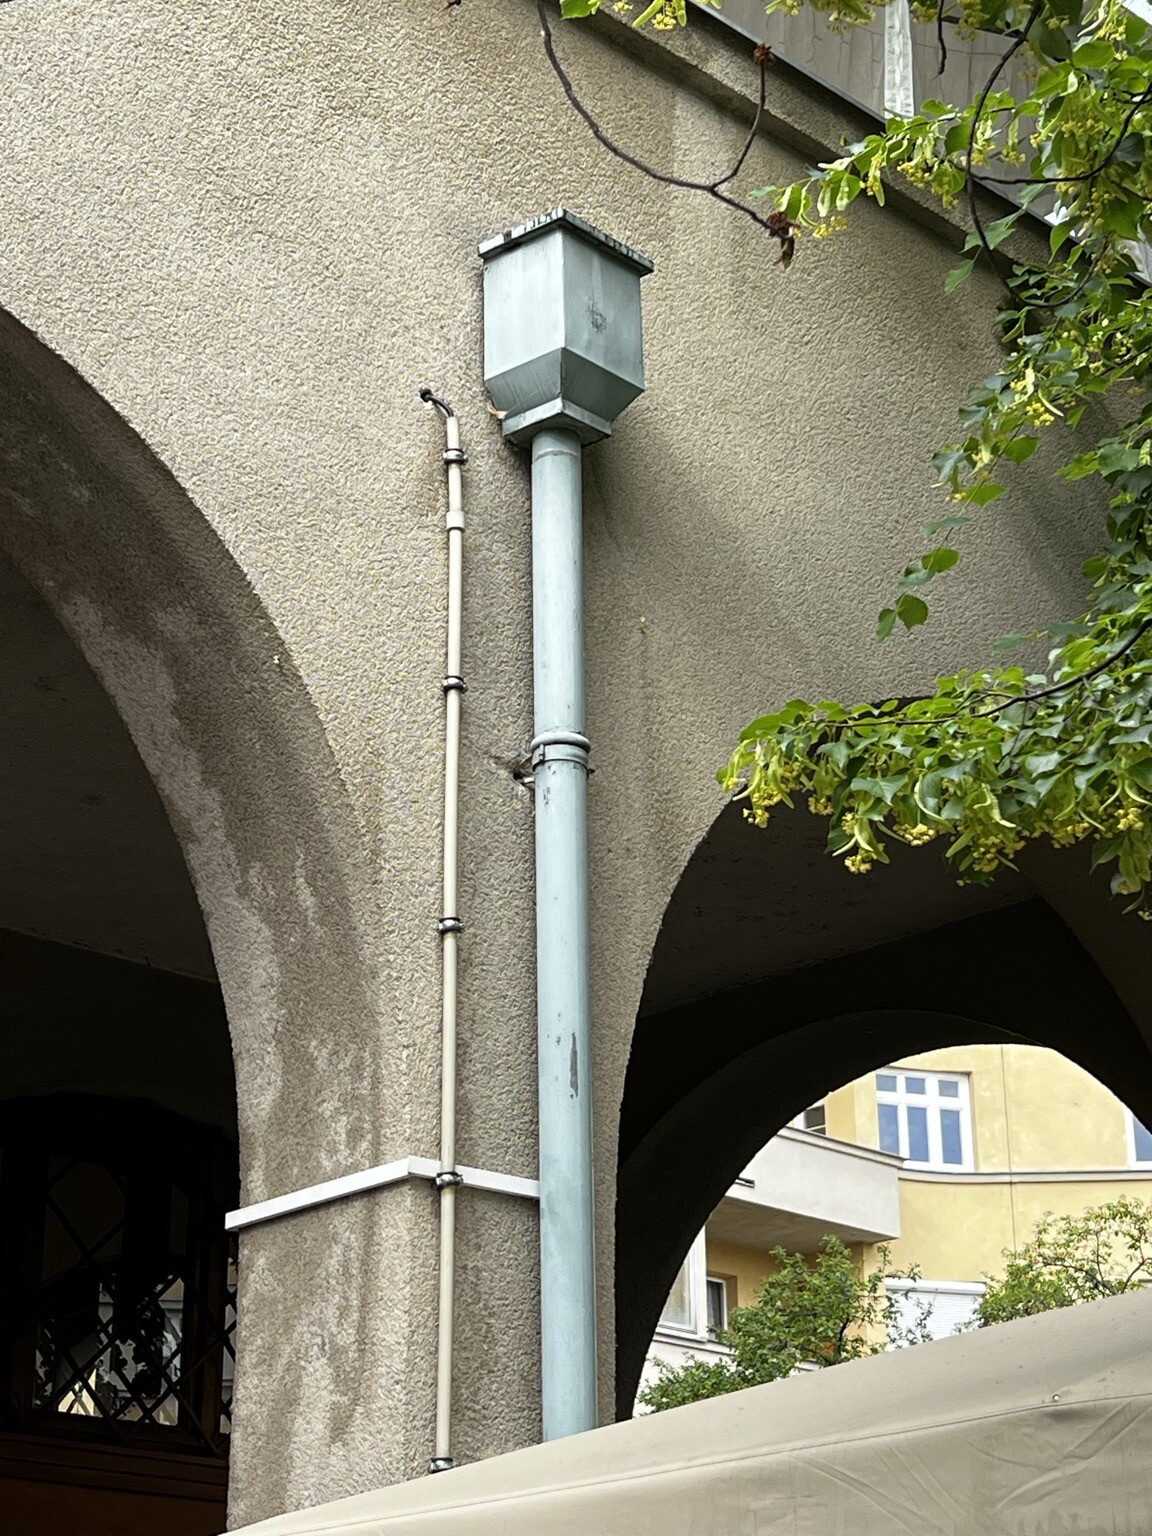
[956, 139]
[1124, 217]
[942, 524]
[1049, 41]
[941, 559]
[1020, 448]
[1094, 54]
[883, 789]
[1131, 150]
[1043, 763]
[981, 495]
[911, 610]
[958, 275]
[886, 623]
[1010, 642]
[948, 461]
[573, 9]
[1059, 233]
[1105, 851]
[998, 231]
[838, 752]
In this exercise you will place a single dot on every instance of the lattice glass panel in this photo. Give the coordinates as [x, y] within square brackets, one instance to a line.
[126, 1327]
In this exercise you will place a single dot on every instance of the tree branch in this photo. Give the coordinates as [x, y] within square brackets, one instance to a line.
[775, 223]
[1052, 181]
[981, 102]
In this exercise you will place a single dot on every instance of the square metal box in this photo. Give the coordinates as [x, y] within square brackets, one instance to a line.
[562, 331]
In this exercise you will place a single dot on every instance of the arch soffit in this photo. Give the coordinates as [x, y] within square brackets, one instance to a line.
[224, 724]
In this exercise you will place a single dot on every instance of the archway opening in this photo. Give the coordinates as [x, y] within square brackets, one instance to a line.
[929, 1172]
[777, 978]
[117, 1122]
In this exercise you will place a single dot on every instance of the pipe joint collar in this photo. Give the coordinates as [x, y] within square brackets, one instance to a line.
[560, 747]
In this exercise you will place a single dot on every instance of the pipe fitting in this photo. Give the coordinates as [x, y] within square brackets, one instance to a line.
[449, 925]
[441, 405]
[559, 747]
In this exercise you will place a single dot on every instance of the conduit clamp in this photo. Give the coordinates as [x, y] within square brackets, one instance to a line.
[559, 747]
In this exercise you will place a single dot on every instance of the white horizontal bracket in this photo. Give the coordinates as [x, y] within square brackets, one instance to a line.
[376, 1178]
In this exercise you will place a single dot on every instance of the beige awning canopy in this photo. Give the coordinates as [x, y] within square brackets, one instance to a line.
[1036, 1428]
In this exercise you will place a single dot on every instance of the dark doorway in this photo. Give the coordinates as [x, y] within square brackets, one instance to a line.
[117, 1124]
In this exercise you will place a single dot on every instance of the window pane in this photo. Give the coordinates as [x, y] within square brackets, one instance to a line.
[914, 1085]
[886, 1082]
[918, 1133]
[678, 1307]
[815, 1119]
[950, 1144]
[717, 1304]
[948, 1088]
[1143, 1138]
[889, 1128]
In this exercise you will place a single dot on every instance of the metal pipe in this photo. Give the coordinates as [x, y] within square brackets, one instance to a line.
[450, 928]
[560, 762]
[563, 356]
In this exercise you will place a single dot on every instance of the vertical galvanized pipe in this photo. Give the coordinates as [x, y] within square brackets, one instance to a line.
[560, 759]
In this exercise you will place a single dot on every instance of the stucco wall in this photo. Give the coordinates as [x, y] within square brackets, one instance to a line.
[252, 229]
[960, 1231]
[741, 1264]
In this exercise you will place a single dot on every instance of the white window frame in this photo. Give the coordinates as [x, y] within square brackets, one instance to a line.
[717, 1280]
[1133, 1160]
[797, 1122]
[697, 1326]
[933, 1102]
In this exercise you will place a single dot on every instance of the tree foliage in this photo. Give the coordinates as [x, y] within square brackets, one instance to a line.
[822, 1310]
[1002, 754]
[810, 1311]
[1104, 1251]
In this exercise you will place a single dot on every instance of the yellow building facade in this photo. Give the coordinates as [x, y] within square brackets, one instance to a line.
[948, 1158]
[1043, 1136]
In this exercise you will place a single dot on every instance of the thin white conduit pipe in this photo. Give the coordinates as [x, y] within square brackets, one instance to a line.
[448, 1178]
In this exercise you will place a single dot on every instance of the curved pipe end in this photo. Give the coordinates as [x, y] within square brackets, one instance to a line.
[441, 405]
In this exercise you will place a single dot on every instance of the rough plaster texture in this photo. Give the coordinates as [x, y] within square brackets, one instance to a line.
[252, 231]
